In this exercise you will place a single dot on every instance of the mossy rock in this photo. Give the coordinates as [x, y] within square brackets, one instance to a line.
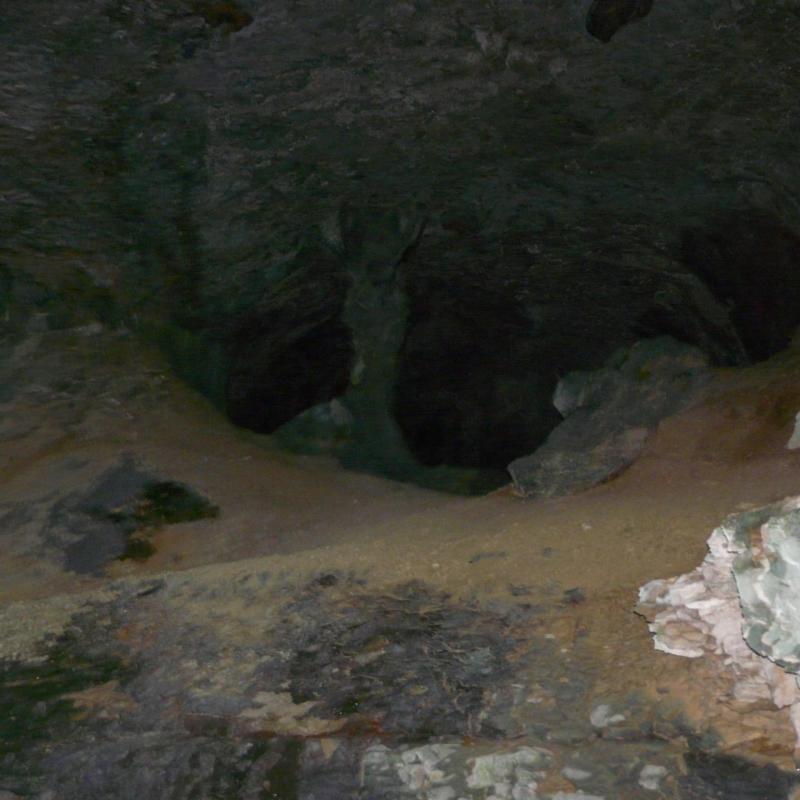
[163, 503]
[157, 504]
[32, 702]
[138, 548]
[75, 300]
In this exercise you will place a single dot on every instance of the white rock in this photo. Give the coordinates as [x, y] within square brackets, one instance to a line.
[741, 604]
[494, 771]
[650, 776]
[576, 796]
[576, 775]
[601, 716]
[794, 441]
[441, 793]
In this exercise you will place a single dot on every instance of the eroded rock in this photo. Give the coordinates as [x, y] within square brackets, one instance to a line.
[609, 415]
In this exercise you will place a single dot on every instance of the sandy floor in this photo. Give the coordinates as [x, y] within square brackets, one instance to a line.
[307, 516]
[652, 521]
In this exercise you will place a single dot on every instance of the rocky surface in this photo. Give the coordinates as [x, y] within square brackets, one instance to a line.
[376, 640]
[609, 414]
[215, 175]
[738, 609]
[239, 682]
[384, 231]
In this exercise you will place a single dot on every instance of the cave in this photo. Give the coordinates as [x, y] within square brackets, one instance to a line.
[270, 385]
[367, 367]
[480, 416]
[434, 265]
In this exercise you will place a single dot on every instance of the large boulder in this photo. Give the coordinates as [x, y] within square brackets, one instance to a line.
[739, 609]
[609, 415]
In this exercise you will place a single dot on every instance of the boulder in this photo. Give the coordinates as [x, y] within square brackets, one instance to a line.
[740, 608]
[609, 415]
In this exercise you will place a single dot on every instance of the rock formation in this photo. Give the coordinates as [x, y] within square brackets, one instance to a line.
[739, 609]
[609, 414]
[174, 168]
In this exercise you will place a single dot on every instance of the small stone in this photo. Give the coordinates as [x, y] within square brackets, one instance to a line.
[568, 735]
[650, 776]
[575, 774]
[601, 716]
[794, 441]
[574, 596]
[441, 793]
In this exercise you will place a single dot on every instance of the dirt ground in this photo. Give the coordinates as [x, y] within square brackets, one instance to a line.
[724, 455]
[584, 556]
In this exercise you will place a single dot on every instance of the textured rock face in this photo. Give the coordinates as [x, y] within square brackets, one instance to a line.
[235, 682]
[182, 165]
[740, 605]
[609, 415]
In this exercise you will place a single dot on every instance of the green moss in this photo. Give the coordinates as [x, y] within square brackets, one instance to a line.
[162, 503]
[350, 706]
[283, 778]
[138, 549]
[158, 503]
[32, 704]
[167, 502]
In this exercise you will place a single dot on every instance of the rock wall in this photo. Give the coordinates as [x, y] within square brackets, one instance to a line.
[182, 168]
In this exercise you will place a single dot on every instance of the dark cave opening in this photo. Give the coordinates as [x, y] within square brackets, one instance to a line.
[751, 262]
[471, 388]
[272, 381]
[484, 348]
[289, 349]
